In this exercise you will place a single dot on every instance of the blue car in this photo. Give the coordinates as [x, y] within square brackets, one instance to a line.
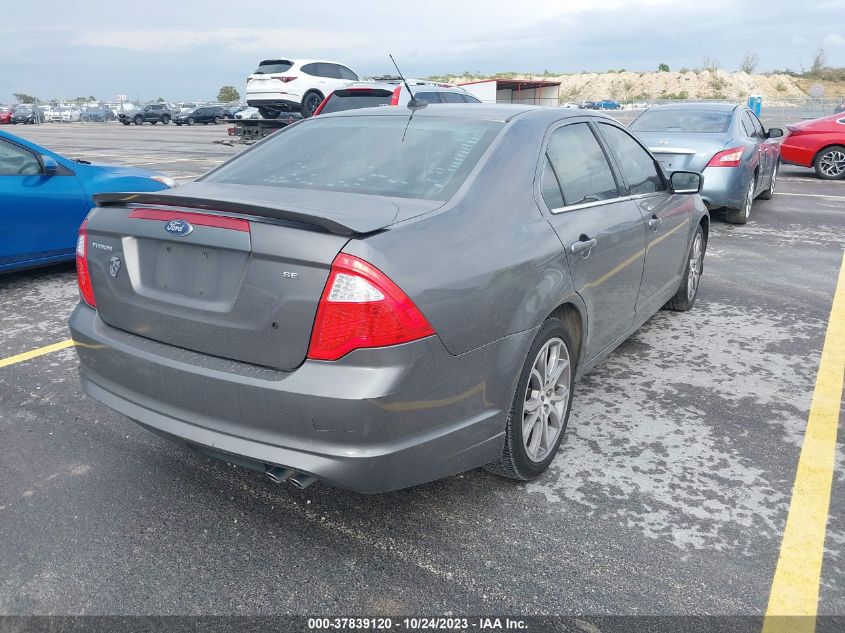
[44, 197]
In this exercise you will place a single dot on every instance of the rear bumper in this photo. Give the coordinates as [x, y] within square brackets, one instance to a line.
[796, 155]
[376, 420]
[724, 187]
[269, 100]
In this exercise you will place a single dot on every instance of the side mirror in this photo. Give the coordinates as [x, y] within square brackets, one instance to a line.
[774, 132]
[51, 167]
[686, 181]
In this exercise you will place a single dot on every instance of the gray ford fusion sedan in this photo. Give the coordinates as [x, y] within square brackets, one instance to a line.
[726, 143]
[379, 298]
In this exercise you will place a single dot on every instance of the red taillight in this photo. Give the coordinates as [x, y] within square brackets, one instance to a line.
[394, 99]
[727, 158]
[323, 104]
[362, 307]
[83, 277]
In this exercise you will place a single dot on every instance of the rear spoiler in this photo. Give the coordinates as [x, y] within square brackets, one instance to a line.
[231, 206]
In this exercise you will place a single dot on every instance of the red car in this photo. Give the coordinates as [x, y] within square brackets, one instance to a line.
[819, 143]
[5, 114]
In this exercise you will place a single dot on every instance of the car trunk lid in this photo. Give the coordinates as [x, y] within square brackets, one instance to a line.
[684, 152]
[221, 271]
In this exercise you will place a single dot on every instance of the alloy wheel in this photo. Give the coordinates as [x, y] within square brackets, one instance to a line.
[749, 199]
[694, 275]
[546, 399]
[832, 163]
[772, 183]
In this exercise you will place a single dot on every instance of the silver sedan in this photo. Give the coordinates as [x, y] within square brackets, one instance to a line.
[724, 142]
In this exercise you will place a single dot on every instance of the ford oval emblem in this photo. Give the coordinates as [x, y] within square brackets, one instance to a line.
[179, 228]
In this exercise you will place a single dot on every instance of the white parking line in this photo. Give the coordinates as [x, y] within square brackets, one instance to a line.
[810, 195]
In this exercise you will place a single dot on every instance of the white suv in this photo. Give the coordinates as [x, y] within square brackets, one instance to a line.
[280, 85]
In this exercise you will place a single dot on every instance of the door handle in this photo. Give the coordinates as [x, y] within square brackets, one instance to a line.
[583, 246]
[654, 223]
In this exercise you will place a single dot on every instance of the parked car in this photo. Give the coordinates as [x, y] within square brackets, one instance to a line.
[5, 114]
[288, 311]
[232, 110]
[294, 85]
[204, 115]
[248, 113]
[819, 143]
[569, 105]
[70, 115]
[153, 113]
[588, 105]
[609, 104]
[391, 92]
[45, 198]
[97, 115]
[26, 114]
[725, 142]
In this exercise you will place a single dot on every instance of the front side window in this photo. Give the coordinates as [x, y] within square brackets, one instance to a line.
[635, 163]
[581, 166]
[373, 155]
[17, 161]
[758, 127]
[330, 71]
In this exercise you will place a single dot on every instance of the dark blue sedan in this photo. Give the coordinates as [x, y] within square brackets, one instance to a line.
[44, 197]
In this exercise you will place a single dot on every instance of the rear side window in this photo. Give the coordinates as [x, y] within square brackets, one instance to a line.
[549, 186]
[311, 69]
[635, 163]
[273, 66]
[374, 155]
[470, 99]
[330, 71]
[452, 97]
[428, 97]
[747, 125]
[346, 73]
[580, 165]
[342, 100]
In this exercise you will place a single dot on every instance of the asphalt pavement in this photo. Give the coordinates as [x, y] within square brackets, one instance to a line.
[669, 495]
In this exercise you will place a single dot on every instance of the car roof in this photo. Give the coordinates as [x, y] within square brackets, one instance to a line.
[702, 107]
[480, 111]
[428, 86]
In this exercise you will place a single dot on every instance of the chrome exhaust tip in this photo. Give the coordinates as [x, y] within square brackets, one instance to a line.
[302, 481]
[279, 475]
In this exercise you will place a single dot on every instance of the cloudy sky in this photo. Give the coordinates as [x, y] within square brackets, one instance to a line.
[187, 49]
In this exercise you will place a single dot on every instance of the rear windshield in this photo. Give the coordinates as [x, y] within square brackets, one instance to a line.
[272, 66]
[682, 121]
[354, 99]
[374, 155]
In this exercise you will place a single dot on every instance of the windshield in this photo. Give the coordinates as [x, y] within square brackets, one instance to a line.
[23, 109]
[271, 66]
[683, 121]
[366, 154]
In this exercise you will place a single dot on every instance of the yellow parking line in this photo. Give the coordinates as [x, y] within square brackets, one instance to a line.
[34, 353]
[795, 588]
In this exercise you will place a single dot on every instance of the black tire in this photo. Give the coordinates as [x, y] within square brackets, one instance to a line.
[310, 101]
[126, 122]
[190, 120]
[165, 120]
[769, 193]
[218, 120]
[514, 461]
[828, 153]
[269, 113]
[741, 215]
[153, 122]
[683, 299]
[178, 124]
[138, 120]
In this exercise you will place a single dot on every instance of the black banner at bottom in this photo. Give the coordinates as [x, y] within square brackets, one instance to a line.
[454, 624]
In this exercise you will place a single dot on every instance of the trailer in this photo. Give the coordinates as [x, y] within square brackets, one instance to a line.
[248, 131]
